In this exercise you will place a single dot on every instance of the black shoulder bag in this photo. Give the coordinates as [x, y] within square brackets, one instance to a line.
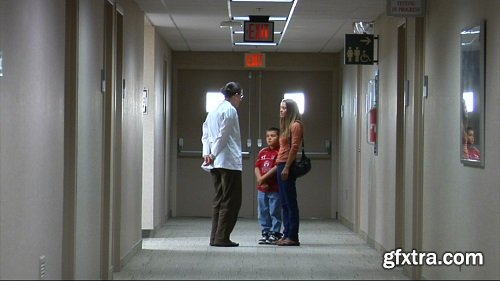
[301, 167]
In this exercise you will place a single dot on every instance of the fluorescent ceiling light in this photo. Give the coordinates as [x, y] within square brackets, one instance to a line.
[231, 23]
[262, 1]
[288, 20]
[363, 27]
[270, 18]
[255, 44]
[242, 32]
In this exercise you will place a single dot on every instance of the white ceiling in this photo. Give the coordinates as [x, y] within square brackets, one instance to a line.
[316, 26]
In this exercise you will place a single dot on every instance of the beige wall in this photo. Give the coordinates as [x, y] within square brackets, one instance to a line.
[131, 147]
[460, 204]
[347, 143]
[148, 129]
[32, 100]
[89, 143]
[163, 138]
[156, 174]
[31, 137]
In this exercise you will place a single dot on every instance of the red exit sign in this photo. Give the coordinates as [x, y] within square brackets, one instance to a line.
[258, 31]
[255, 60]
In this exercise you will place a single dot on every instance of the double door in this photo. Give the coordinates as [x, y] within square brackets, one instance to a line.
[259, 110]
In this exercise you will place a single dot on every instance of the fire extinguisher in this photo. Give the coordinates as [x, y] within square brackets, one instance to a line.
[372, 125]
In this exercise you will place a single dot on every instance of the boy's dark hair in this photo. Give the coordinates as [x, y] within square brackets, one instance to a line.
[275, 130]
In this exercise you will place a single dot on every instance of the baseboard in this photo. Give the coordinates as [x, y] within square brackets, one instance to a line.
[371, 242]
[346, 222]
[135, 249]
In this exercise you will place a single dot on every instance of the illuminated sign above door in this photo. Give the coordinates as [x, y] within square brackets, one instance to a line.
[256, 31]
[255, 60]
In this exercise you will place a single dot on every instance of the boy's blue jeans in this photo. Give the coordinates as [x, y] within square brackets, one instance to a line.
[269, 208]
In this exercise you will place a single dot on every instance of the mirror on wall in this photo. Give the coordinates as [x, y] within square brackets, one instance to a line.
[472, 67]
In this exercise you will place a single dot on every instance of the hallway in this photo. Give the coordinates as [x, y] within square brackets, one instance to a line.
[328, 250]
[101, 110]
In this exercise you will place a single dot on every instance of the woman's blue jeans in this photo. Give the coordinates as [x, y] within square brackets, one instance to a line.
[288, 196]
[269, 211]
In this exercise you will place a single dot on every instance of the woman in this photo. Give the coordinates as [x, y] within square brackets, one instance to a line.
[290, 141]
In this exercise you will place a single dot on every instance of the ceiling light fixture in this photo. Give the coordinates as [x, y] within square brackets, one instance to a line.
[255, 44]
[286, 1]
[242, 32]
[270, 18]
[231, 23]
[362, 27]
[288, 19]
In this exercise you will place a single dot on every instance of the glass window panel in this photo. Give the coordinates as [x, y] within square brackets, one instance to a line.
[212, 100]
[298, 98]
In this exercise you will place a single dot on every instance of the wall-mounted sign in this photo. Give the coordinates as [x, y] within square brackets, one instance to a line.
[255, 60]
[406, 8]
[358, 49]
[257, 31]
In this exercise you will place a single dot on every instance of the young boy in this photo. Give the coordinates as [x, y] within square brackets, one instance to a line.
[269, 205]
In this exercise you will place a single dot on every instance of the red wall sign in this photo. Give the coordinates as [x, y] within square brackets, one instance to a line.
[258, 31]
[255, 60]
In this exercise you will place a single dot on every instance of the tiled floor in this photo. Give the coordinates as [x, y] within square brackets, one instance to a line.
[328, 250]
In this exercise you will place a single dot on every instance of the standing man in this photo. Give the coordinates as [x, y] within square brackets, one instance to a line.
[222, 158]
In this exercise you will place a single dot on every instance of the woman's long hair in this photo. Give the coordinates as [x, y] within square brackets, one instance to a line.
[292, 115]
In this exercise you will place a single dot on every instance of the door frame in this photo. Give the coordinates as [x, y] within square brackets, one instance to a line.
[415, 272]
[111, 161]
[70, 141]
[401, 102]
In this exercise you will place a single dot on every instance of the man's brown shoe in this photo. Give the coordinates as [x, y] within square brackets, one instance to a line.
[277, 242]
[288, 242]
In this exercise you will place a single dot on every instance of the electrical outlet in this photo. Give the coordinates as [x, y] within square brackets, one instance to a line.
[42, 268]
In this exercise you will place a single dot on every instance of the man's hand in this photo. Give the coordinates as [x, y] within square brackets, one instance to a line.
[208, 159]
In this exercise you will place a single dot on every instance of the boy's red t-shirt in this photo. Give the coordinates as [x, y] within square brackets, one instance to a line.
[266, 160]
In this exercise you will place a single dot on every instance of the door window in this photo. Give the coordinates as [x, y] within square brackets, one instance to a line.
[298, 98]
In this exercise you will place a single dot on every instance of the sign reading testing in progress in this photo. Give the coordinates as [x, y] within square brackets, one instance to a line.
[406, 8]
[255, 31]
[358, 49]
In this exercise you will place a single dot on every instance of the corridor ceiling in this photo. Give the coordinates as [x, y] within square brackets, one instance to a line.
[316, 26]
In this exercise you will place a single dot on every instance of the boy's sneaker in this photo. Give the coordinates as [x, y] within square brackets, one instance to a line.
[273, 238]
[263, 239]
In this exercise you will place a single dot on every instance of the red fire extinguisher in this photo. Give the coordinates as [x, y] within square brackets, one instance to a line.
[372, 125]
